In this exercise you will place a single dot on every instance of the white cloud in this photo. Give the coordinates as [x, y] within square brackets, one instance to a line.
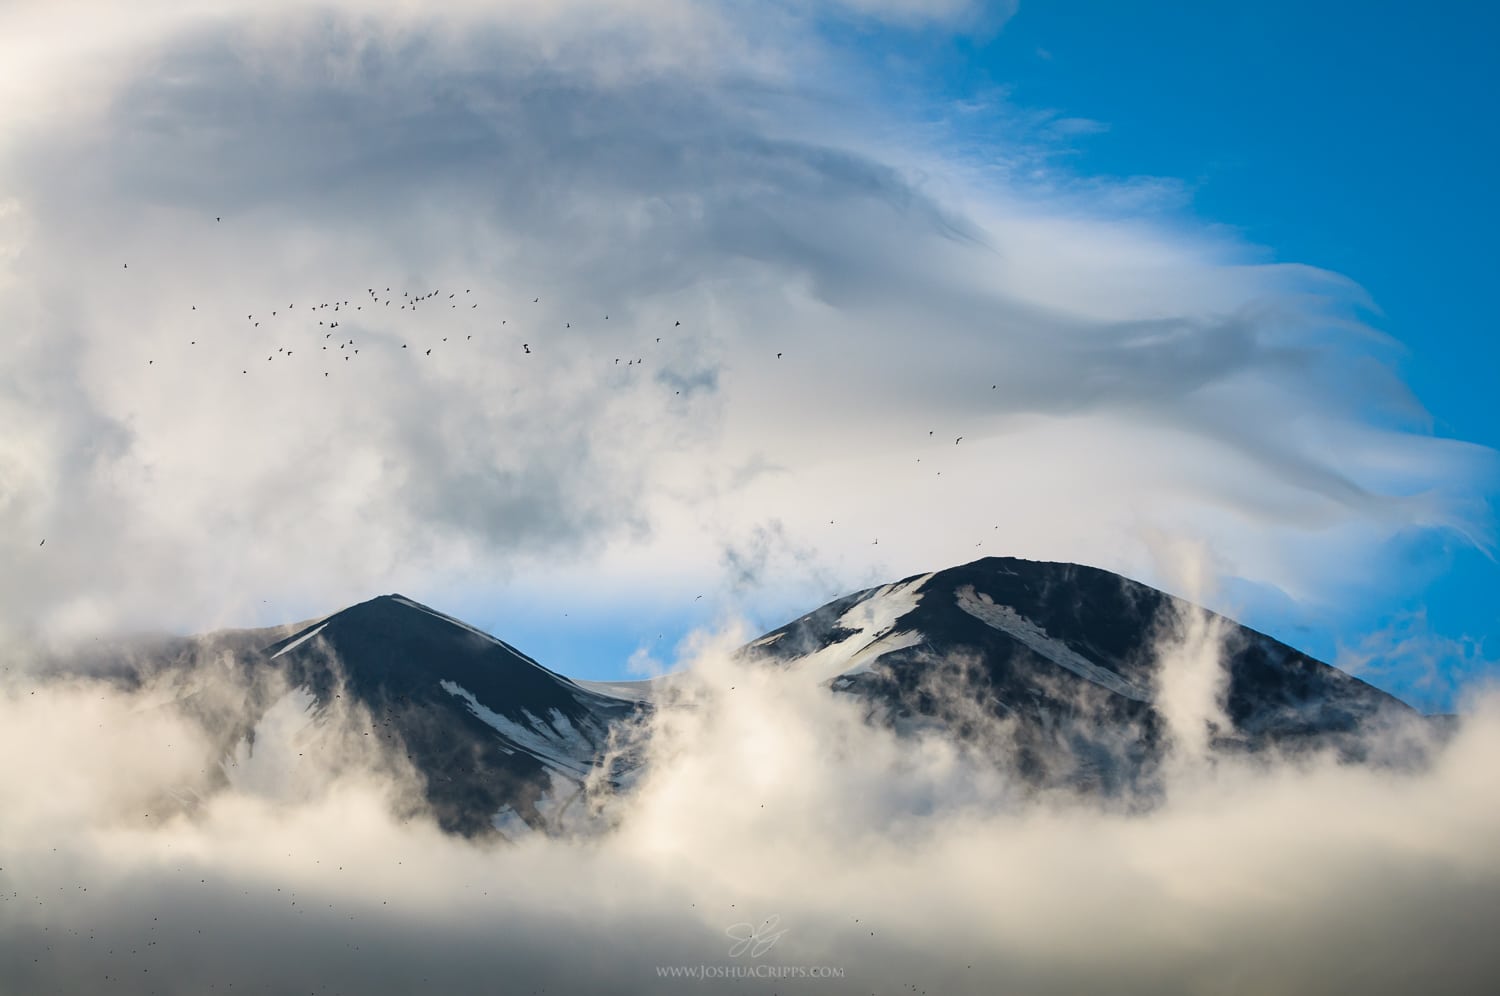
[1114, 371]
[912, 862]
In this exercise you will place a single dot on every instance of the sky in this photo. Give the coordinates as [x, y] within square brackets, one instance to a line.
[630, 330]
[1189, 295]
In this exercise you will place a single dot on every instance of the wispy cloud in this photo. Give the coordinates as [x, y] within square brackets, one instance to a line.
[1111, 367]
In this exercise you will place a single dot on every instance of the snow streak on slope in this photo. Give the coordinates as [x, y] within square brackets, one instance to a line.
[299, 641]
[403, 600]
[1008, 621]
[873, 621]
[555, 742]
[625, 691]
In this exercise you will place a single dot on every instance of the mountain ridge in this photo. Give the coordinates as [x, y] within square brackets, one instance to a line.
[1053, 668]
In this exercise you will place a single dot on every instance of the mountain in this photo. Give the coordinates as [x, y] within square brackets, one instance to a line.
[1062, 660]
[501, 741]
[1052, 668]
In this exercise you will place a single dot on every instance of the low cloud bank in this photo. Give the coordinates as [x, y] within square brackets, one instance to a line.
[768, 818]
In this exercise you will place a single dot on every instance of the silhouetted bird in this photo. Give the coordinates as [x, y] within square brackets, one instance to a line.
[525, 347]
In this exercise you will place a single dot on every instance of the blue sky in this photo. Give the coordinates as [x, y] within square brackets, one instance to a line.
[1358, 137]
[1174, 273]
[1355, 137]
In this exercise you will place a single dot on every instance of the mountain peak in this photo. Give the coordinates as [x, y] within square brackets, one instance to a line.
[1066, 655]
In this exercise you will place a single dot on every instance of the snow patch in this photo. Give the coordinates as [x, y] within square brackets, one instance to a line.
[510, 824]
[625, 691]
[449, 619]
[299, 641]
[556, 742]
[1012, 623]
[873, 621]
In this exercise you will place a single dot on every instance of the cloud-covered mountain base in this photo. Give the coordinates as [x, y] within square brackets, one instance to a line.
[889, 864]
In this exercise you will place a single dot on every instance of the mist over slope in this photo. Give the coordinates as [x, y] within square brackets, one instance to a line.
[1065, 678]
[741, 798]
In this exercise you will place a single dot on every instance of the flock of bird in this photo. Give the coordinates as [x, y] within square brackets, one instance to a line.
[294, 336]
[379, 302]
[350, 347]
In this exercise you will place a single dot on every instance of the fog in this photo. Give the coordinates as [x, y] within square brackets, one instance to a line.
[767, 810]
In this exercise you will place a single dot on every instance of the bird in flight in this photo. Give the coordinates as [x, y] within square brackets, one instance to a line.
[526, 347]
